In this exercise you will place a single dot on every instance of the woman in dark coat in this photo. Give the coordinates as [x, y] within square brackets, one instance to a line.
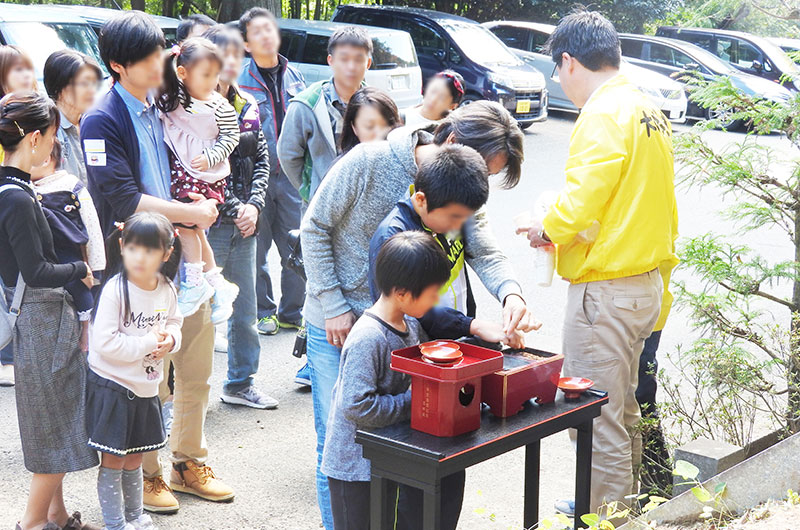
[49, 367]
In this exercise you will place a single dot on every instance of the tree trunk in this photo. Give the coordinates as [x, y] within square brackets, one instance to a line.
[793, 365]
[233, 9]
[137, 4]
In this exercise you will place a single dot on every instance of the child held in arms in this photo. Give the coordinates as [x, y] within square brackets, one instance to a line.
[411, 268]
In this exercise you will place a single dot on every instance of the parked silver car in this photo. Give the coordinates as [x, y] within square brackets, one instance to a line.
[527, 40]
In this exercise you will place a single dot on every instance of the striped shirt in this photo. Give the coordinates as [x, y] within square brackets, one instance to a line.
[227, 122]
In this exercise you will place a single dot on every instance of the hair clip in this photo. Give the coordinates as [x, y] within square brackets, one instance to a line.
[456, 82]
[176, 50]
[21, 132]
[120, 226]
[176, 233]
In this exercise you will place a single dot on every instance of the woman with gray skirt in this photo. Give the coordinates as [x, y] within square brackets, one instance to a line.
[49, 367]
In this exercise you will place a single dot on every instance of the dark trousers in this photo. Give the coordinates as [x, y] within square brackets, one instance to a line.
[281, 213]
[655, 474]
[351, 509]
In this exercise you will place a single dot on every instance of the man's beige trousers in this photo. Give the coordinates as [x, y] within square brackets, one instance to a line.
[605, 327]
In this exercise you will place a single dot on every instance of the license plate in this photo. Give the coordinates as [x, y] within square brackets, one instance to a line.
[523, 106]
[400, 82]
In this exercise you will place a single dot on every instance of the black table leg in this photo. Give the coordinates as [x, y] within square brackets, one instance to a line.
[583, 472]
[379, 500]
[531, 503]
[432, 507]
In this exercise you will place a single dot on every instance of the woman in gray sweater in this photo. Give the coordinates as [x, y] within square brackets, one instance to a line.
[357, 193]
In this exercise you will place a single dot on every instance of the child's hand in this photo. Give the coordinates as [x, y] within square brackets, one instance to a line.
[515, 339]
[88, 280]
[488, 331]
[200, 163]
[164, 344]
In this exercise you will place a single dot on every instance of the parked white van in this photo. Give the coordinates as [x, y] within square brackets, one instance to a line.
[395, 67]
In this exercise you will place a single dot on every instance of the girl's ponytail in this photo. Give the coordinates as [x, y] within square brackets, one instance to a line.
[113, 267]
[172, 91]
[172, 265]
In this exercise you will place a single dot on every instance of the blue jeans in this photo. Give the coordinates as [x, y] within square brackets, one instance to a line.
[324, 361]
[237, 257]
[280, 215]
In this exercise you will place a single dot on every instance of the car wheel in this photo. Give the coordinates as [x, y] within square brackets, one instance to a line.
[723, 118]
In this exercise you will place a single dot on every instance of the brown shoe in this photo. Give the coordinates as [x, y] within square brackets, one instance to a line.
[75, 523]
[158, 498]
[198, 479]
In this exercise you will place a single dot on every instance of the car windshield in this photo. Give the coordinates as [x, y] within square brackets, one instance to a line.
[711, 61]
[779, 57]
[393, 50]
[480, 44]
[40, 39]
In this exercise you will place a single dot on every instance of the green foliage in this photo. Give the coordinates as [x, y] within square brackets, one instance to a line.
[773, 18]
[746, 364]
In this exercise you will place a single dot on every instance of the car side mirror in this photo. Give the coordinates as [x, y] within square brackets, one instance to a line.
[757, 65]
[439, 54]
[691, 66]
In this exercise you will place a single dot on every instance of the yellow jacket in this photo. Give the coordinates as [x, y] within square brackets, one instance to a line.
[619, 173]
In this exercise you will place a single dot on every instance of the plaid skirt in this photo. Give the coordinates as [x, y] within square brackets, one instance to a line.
[50, 372]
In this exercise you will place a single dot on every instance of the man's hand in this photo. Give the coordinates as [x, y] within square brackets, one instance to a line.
[247, 220]
[205, 211]
[517, 317]
[515, 340]
[88, 280]
[164, 344]
[337, 328]
[535, 233]
[200, 163]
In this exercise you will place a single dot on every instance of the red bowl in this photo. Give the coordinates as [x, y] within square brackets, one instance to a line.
[573, 387]
[442, 353]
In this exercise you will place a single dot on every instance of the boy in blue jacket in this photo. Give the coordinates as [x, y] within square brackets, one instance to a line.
[448, 190]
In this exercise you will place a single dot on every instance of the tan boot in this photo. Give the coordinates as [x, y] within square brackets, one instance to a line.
[158, 498]
[198, 479]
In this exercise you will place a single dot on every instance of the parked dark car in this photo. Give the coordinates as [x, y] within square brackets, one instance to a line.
[747, 53]
[677, 58]
[491, 71]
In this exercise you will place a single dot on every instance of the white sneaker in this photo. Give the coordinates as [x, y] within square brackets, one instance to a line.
[191, 297]
[143, 522]
[225, 293]
[7, 375]
[250, 397]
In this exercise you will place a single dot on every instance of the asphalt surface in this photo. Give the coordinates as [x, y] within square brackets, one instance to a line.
[269, 457]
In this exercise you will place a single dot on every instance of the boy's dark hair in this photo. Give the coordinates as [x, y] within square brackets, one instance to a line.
[366, 97]
[456, 175]
[587, 36]
[61, 68]
[252, 14]
[187, 25]
[128, 38]
[410, 262]
[490, 129]
[350, 36]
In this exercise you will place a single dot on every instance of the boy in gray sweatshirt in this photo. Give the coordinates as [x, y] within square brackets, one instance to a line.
[410, 269]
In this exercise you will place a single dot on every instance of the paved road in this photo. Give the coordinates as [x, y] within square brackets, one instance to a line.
[268, 456]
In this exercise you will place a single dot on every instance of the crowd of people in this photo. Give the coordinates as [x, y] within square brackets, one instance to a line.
[136, 221]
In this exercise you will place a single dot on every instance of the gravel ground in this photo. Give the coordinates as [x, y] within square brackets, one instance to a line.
[268, 456]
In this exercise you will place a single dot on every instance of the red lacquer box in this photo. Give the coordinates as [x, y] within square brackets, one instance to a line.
[446, 400]
[526, 374]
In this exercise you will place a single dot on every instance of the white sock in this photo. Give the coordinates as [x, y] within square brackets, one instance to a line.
[214, 277]
[194, 273]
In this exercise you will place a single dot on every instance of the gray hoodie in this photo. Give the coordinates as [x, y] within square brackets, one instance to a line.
[358, 192]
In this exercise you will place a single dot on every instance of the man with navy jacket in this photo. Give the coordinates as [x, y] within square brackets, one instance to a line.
[128, 172]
